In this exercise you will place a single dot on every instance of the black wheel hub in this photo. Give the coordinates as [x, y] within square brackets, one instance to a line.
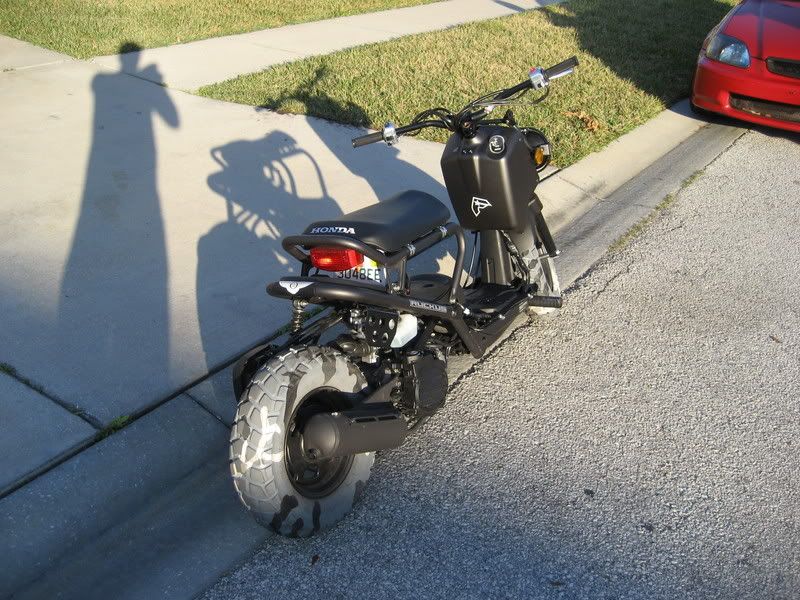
[315, 478]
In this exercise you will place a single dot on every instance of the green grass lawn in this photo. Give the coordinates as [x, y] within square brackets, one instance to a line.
[86, 28]
[637, 57]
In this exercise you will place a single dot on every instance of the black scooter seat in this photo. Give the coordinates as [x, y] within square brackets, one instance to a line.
[389, 224]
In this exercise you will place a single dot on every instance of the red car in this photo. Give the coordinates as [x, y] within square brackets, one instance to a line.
[749, 67]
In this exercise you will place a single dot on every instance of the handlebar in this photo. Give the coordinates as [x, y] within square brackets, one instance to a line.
[390, 134]
[561, 69]
[539, 78]
[507, 93]
[370, 138]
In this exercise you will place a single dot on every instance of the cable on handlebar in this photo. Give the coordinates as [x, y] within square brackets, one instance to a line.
[491, 100]
[443, 118]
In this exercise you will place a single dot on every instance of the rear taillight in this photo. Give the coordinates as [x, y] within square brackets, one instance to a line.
[335, 259]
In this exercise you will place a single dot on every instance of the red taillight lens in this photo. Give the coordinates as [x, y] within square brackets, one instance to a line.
[335, 259]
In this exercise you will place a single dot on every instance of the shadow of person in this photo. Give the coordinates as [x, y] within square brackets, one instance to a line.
[113, 320]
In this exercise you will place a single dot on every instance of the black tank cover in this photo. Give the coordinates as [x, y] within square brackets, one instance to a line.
[490, 177]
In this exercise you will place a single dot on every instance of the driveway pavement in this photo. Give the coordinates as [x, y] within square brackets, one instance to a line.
[643, 444]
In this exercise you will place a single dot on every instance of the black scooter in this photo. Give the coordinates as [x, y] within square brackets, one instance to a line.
[312, 415]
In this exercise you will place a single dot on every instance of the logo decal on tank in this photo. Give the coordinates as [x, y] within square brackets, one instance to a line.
[478, 204]
[497, 143]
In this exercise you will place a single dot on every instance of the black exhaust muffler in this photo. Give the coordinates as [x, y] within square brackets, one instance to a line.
[352, 432]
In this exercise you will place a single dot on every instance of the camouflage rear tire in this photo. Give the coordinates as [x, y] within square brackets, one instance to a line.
[259, 464]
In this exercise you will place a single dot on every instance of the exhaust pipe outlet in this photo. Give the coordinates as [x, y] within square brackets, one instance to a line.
[342, 433]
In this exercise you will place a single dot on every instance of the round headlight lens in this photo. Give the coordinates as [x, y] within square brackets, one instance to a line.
[728, 50]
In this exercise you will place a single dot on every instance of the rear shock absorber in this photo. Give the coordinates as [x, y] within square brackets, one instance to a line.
[298, 314]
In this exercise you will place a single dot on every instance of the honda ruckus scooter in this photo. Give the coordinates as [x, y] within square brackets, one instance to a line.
[311, 415]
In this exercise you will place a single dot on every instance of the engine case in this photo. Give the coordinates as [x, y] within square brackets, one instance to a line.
[424, 384]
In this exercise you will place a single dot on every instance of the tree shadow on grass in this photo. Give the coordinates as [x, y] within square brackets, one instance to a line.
[652, 43]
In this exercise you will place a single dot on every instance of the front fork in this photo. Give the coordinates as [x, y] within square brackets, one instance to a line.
[496, 262]
[542, 228]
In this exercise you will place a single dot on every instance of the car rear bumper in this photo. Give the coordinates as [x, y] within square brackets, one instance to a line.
[754, 94]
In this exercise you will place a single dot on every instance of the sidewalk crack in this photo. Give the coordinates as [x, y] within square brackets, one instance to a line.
[68, 406]
[205, 408]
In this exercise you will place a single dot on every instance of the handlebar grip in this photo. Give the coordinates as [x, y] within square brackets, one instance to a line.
[561, 68]
[370, 138]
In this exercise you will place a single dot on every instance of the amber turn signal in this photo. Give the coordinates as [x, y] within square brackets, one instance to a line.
[539, 156]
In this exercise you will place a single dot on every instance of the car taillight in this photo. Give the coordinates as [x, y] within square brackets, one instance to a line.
[335, 259]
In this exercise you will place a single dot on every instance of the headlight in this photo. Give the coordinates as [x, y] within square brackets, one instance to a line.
[728, 50]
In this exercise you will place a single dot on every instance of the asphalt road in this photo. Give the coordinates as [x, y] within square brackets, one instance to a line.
[642, 444]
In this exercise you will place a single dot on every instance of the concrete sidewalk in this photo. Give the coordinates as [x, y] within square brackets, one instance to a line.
[139, 226]
[193, 65]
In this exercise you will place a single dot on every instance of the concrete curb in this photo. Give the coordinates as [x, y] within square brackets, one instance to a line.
[72, 528]
[127, 514]
[573, 191]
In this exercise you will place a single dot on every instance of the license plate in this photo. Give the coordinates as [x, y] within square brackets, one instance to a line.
[368, 272]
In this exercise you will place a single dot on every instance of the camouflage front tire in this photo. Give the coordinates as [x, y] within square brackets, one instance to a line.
[274, 482]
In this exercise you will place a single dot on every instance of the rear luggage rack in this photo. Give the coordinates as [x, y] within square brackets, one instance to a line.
[296, 245]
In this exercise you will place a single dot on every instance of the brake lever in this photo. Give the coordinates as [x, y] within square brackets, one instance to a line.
[389, 134]
[538, 78]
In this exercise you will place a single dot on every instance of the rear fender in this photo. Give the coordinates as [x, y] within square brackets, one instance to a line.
[252, 360]
[248, 364]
